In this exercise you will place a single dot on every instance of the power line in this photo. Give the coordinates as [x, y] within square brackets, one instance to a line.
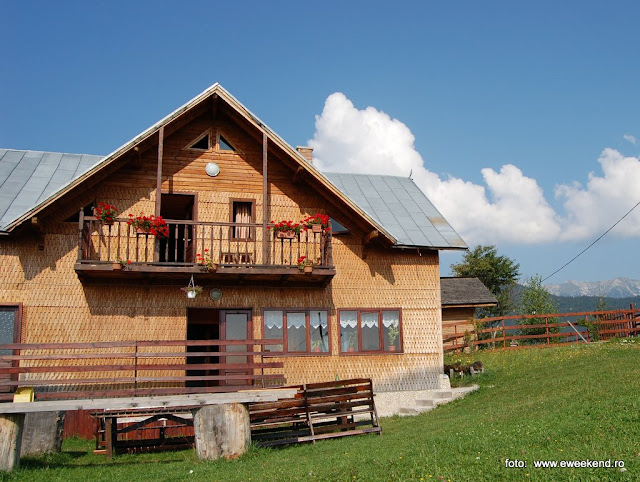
[585, 249]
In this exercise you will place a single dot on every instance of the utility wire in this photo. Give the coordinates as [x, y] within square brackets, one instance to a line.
[585, 249]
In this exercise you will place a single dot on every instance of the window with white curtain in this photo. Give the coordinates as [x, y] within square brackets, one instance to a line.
[302, 331]
[374, 330]
[242, 213]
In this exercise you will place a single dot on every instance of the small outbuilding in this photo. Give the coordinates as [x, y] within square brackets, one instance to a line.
[461, 297]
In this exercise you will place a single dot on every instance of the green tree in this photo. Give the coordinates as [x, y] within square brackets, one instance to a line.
[535, 299]
[498, 273]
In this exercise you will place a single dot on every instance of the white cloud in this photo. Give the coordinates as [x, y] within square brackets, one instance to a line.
[369, 141]
[631, 139]
[508, 207]
[592, 209]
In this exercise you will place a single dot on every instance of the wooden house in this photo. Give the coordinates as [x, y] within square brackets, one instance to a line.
[220, 179]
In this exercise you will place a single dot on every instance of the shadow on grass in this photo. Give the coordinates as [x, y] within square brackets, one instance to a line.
[73, 459]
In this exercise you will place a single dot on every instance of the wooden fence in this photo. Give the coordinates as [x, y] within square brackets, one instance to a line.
[60, 371]
[522, 331]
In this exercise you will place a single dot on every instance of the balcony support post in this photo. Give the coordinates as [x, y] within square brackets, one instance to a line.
[156, 254]
[265, 200]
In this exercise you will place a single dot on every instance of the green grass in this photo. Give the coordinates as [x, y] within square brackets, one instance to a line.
[575, 403]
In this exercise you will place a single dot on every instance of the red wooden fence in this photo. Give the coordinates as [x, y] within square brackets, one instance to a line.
[511, 332]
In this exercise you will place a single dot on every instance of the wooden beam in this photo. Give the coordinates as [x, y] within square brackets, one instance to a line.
[369, 237]
[366, 241]
[137, 158]
[265, 199]
[36, 226]
[159, 172]
[298, 175]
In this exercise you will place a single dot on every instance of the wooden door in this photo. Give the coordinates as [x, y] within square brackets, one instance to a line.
[178, 246]
[203, 324]
[236, 325]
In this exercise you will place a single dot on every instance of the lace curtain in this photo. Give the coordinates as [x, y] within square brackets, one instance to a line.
[242, 215]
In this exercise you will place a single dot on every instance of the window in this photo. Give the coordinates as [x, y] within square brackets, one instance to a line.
[338, 228]
[303, 331]
[225, 145]
[10, 318]
[201, 143]
[242, 213]
[370, 330]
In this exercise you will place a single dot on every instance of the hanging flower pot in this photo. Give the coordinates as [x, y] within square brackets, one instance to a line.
[308, 269]
[316, 228]
[192, 290]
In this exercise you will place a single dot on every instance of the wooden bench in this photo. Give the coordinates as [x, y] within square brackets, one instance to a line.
[112, 423]
[317, 411]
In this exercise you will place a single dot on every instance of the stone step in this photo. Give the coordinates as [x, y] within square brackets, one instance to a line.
[425, 402]
[442, 394]
[406, 411]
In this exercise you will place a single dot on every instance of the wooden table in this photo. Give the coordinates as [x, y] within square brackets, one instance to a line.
[12, 414]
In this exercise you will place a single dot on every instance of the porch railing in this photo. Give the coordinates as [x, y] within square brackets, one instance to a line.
[59, 371]
[225, 244]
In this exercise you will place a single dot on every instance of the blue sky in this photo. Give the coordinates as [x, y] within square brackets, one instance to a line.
[453, 91]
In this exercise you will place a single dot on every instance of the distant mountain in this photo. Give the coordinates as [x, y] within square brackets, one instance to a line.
[615, 288]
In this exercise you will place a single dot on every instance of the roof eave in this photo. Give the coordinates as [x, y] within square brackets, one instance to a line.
[434, 248]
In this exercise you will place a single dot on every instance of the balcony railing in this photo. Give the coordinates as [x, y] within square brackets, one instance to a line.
[225, 245]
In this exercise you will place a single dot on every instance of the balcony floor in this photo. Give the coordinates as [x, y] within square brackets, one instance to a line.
[161, 274]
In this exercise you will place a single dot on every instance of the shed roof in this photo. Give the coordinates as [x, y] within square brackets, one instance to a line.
[401, 207]
[465, 292]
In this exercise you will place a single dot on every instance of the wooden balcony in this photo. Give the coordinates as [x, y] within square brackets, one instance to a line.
[241, 254]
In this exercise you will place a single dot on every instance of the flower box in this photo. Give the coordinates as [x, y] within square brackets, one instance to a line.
[308, 269]
[285, 234]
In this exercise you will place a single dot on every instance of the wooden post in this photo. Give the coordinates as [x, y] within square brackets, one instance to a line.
[42, 433]
[265, 199]
[221, 431]
[110, 435]
[546, 323]
[10, 440]
[156, 242]
[159, 172]
[81, 254]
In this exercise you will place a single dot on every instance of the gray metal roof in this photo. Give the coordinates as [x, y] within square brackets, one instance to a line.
[400, 207]
[465, 292]
[28, 178]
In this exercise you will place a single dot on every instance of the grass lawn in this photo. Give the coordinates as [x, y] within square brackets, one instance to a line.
[565, 403]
